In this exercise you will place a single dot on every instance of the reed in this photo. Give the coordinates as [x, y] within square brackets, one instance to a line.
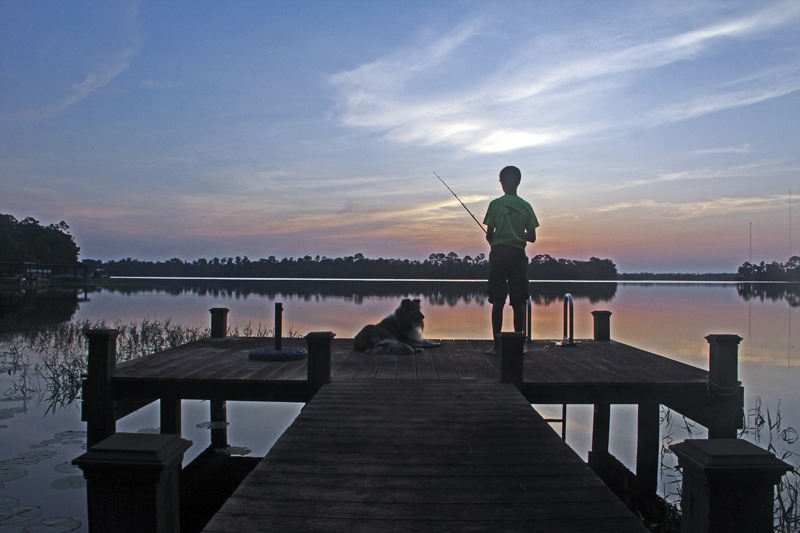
[50, 362]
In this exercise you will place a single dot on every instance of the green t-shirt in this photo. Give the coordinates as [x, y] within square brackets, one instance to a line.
[510, 216]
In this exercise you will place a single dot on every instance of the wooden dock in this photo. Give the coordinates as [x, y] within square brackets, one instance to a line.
[441, 440]
[422, 455]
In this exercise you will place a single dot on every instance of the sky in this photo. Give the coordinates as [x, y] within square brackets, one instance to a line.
[664, 136]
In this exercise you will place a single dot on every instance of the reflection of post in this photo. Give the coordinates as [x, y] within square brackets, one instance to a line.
[98, 405]
[724, 386]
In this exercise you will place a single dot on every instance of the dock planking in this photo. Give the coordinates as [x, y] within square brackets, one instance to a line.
[589, 373]
[422, 455]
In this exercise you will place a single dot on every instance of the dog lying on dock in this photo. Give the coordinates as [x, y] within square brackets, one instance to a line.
[399, 333]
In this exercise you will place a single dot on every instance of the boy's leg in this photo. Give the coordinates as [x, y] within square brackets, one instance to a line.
[519, 318]
[497, 327]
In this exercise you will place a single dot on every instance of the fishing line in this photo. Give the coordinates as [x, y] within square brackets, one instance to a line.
[462, 203]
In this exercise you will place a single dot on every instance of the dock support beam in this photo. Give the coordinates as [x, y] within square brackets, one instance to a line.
[512, 347]
[724, 386]
[602, 325]
[219, 322]
[98, 405]
[132, 483]
[319, 360]
[728, 486]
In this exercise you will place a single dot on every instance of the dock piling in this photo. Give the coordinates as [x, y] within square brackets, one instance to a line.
[728, 486]
[724, 386]
[98, 406]
[132, 482]
[511, 357]
[602, 325]
[319, 359]
[219, 322]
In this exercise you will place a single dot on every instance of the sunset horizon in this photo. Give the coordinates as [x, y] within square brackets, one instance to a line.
[661, 137]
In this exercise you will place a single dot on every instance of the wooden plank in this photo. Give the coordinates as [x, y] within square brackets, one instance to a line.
[422, 455]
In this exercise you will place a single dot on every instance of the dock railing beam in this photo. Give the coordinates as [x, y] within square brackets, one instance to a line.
[98, 405]
[724, 386]
[512, 347]
[319, 360]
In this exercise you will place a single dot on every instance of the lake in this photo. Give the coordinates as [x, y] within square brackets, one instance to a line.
[40, 491]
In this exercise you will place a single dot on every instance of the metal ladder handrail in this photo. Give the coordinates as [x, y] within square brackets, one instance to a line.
[569, 340]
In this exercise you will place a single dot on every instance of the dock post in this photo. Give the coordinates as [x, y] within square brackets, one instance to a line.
[648, 444]
[511, 357]
[170, 410]
[132, 483]
[601, 423]
[219, 423]
[219, 322]
[602, 325]
[319, 360]
[98, 405]
[724, 386]
[728, 486]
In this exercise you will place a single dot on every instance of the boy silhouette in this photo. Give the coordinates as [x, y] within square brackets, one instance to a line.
[511, 224]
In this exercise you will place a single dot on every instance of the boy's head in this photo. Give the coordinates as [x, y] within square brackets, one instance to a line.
[510, 178]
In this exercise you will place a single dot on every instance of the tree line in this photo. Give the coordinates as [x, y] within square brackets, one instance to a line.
[788, 271]
[436, 266]
[29, 241]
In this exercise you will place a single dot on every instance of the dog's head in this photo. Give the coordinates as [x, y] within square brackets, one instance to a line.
[412, 309]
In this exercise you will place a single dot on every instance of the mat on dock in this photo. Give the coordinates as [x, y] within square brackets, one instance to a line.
[367, 455]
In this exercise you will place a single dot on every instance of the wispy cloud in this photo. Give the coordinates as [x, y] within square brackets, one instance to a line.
[745, 148]
[753, 171]
[703, 208]
[537, 99]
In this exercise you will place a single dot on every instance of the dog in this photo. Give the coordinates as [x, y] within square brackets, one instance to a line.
[399, 333]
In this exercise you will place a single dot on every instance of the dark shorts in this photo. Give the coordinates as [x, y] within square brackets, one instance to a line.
[508, 275]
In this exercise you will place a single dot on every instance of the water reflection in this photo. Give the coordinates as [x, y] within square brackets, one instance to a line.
[790, 292]
[436, 292]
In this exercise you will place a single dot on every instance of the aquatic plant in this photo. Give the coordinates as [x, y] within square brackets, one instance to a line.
[762, 427]
[51, 361]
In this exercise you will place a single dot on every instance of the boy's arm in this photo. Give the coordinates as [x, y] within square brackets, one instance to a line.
[530, 235]
[489, 234]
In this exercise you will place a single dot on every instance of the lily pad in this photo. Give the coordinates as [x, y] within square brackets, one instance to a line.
[17, 399]
[71, 435]
[44, 443]
[37, 455]
[15, 515]
[67, 483]
[71, 442]
[234, 450]
[8, 501]
[213, 425]
[13, 528]
[67, 468]
[5, 414]
[3, 426]
[60, 524]
[10, 474]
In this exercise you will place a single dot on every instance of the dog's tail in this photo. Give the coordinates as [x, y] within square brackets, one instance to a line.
[393, 347]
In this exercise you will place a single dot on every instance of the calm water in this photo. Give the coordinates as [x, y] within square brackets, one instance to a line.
[670, 319]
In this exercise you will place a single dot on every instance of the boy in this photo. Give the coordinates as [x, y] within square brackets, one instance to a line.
[511, 224]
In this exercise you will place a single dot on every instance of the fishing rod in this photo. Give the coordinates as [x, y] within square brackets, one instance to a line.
[462, 203]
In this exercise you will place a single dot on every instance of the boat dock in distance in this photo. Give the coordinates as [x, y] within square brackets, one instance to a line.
[444, 440]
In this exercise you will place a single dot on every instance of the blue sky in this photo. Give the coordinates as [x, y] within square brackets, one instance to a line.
[650, 133]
